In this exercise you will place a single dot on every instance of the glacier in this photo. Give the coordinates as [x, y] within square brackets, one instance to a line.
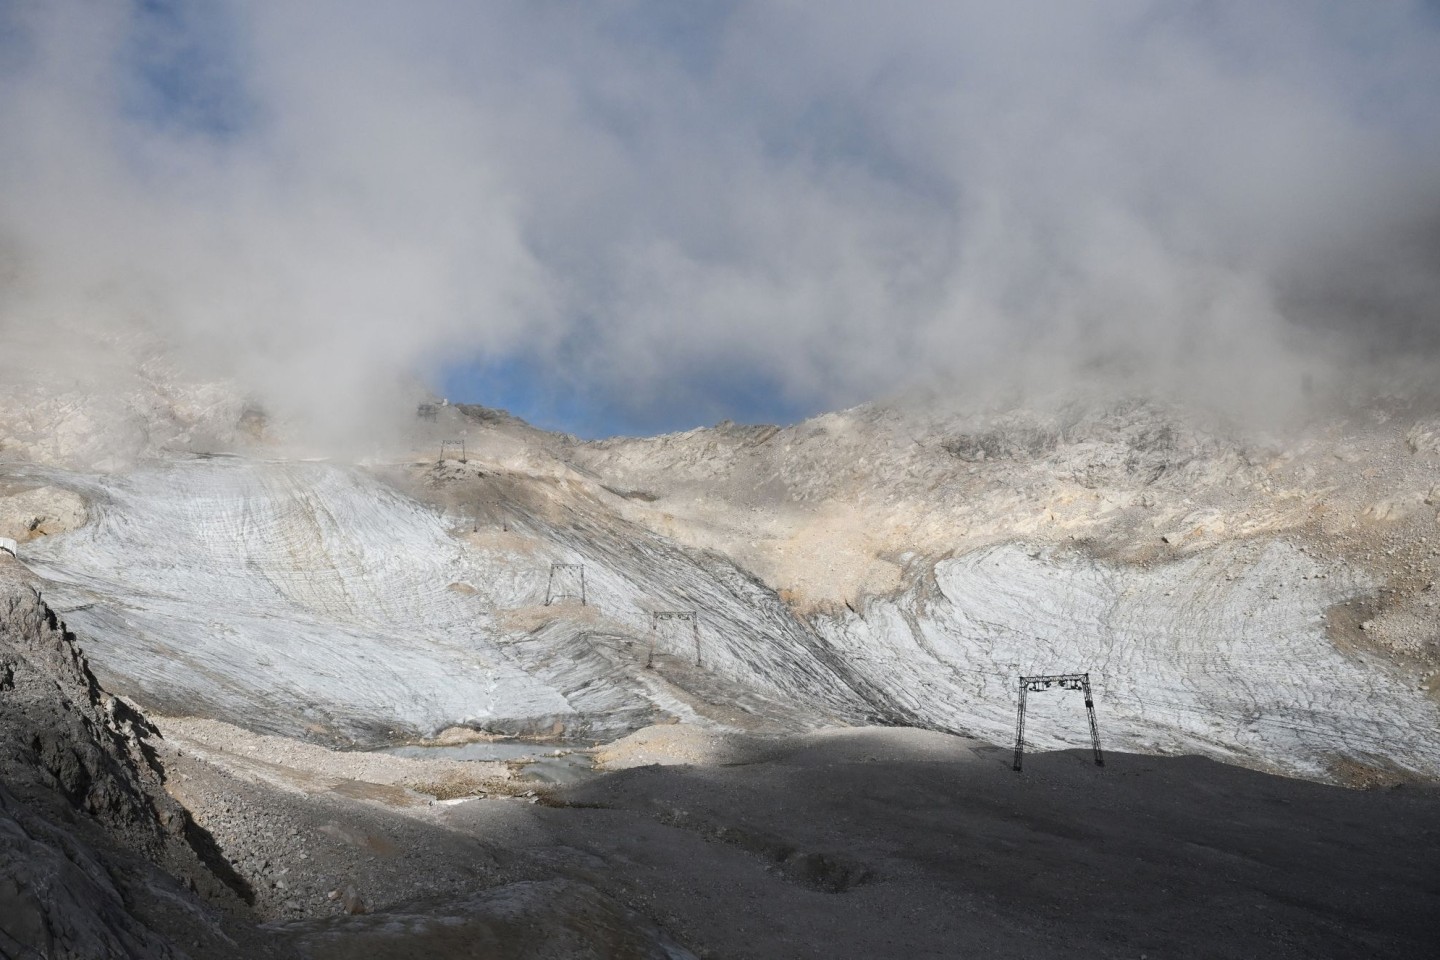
[321, 600]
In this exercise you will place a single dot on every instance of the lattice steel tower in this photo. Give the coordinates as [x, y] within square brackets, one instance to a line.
[656, 616]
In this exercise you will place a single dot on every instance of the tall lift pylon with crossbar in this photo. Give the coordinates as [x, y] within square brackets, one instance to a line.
[564, 578]
[1065, 681]
[693, 616]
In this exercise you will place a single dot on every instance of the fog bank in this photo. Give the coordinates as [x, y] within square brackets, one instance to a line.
[639, 200]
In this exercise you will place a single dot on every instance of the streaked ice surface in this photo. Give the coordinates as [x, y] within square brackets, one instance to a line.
[217, 580]
[306, 597]
[295, 597]
[1223, 653]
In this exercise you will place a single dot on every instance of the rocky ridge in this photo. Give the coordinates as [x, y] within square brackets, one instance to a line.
[98, 859]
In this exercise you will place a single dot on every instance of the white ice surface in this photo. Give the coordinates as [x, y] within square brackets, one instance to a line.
[315, 586]
[291, 595]
[288, 595]
[1223, 653]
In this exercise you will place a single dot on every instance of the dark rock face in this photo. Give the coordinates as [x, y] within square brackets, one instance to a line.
[96, 859]
[58, 897]
[65, 739]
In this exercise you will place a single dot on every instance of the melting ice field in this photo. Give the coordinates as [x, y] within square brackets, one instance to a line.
[297, 597]
[1223, 653]
[289, 591]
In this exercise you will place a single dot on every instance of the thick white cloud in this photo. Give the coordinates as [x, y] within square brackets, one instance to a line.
[838, 198]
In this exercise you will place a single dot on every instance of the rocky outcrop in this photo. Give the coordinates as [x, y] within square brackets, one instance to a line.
[39, 512]
[67, 743]
[96, 859]
[110, 430]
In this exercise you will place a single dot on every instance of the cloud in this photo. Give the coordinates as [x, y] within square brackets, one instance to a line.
[639, 199]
